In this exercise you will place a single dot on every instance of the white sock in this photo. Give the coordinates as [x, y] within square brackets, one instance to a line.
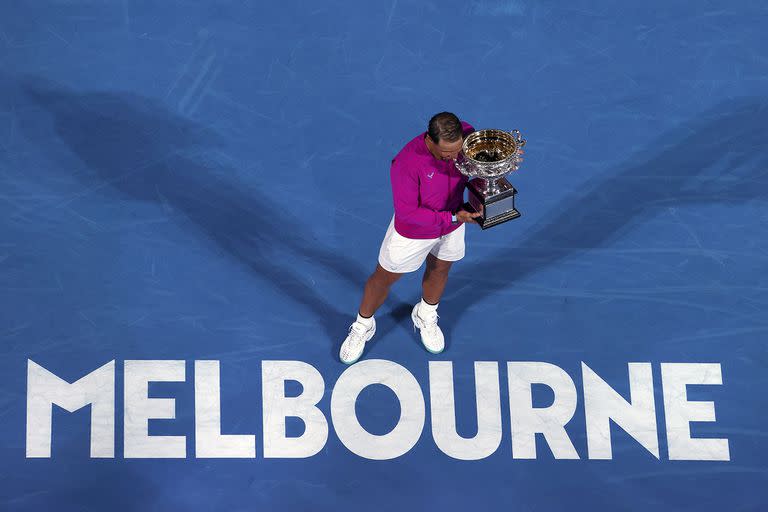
[425, 308]
[368, 322]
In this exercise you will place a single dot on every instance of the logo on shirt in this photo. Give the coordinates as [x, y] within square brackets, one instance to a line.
[431, 174]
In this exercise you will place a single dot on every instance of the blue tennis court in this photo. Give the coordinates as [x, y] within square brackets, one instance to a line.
[192, 195]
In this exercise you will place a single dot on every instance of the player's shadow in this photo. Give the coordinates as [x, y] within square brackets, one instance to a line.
[145, 152]
[719, 157]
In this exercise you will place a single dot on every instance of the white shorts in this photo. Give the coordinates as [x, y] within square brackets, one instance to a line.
[400, 254]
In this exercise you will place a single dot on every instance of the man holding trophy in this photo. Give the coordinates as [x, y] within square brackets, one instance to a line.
[428, 179]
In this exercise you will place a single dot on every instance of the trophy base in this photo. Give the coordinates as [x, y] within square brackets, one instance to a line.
[497, 206]
[492, 221]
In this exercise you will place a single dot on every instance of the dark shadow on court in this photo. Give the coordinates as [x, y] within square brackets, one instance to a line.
[145, 152]
[719, 157]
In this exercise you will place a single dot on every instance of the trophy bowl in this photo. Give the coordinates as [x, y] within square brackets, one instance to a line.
[490, 154]
[486, 157]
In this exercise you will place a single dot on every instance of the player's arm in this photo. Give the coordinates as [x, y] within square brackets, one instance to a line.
[405, 193]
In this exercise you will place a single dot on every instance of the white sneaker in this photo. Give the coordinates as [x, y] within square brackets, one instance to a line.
[354, 344]
[431, 336]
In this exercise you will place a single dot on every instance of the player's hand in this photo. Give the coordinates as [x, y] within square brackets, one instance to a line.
[465, 216]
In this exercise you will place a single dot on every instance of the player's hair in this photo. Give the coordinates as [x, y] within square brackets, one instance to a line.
[444, 125]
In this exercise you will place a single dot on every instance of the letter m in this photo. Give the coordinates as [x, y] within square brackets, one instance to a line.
[96, 389]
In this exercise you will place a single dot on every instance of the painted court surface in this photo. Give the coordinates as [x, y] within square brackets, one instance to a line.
[210, 181]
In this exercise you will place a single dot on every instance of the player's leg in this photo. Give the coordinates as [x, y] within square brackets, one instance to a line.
[376, 290]
[435, 279]
[398, 255]
[424, 315]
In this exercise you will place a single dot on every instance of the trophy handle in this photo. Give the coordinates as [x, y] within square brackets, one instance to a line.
[518, 138]
[519, 142]
[461, 165]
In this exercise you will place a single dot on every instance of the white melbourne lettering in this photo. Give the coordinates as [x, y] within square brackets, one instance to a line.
[635, 414]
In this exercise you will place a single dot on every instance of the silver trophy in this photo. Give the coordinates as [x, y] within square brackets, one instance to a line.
[486, 156]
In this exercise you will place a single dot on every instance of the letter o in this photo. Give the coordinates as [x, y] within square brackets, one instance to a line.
[358, 440]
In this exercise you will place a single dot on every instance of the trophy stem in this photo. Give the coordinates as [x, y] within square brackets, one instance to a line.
[491, 186]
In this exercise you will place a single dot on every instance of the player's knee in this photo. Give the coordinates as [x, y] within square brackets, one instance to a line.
[439, 266]
[384, 277]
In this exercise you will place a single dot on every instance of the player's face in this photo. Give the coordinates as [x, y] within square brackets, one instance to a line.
[445, 150]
